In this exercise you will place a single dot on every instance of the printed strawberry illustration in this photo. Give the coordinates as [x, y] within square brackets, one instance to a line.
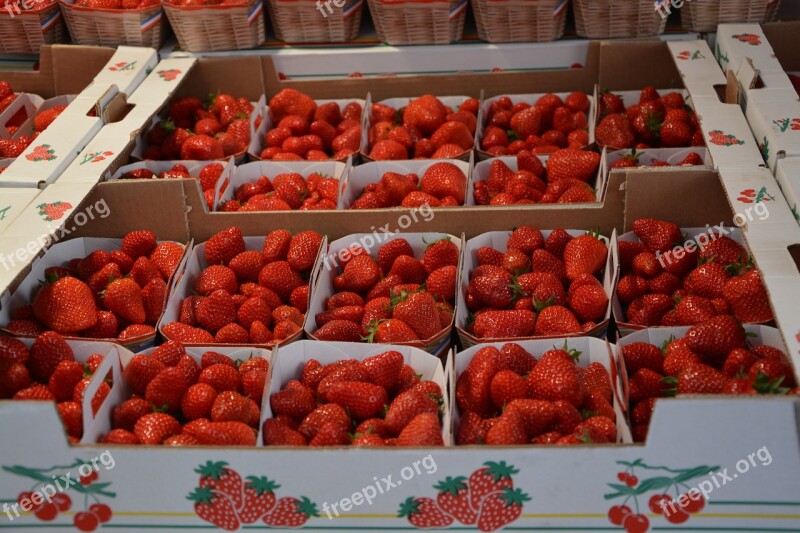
[216, 475]
[259, 498]
[291, 512]
[501, 508]
[122, 66]
[493, 477]
[795, 124]
[169, 75]
[749, 38]
[781, 124]
[53, 210]
[96, 157]
[43, 152]
[214, 507]
[453, 499]
[685, 55]
[721, 138]
[424, 513]
[631, 516]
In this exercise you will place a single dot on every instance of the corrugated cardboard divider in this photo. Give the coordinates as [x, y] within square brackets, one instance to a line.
[616, 57]
[783, 39]
[62, 70]
[239, 76]
[471, 84]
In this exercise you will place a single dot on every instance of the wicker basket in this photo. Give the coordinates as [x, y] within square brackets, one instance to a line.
[219, 27]
[27, 31]
[418, 21]
[305, 21]
[706, 15]
[602, 19]
[113, 27]
[520, 21]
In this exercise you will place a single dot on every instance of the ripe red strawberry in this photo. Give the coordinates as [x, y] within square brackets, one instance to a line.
[222, 377]
[640, 355]
[507, 430]
[224, 246]
[693, 310]
[724, 250]
[614, 132]
[576, 164]
[291, 512]
[12, 350]
[231, 406]
[455, 133]
[315, 420]
[716, 338]
[675, 133]
[597, 380]
[700, 379]
[392, 331]
[444, 179]
[657, 235]
[277, 433]
[303, 250]
[505, 324]
[500, 509]
[556, 320]
[339, 330]
[748, 297]
[153, 428]
[66, 305]
[407, 405]
[47, 352]
[225, 434]
[492, 478]
[556, 377]
[125, 415]
[707, 280]
[440, 253]
[584, 255]
[64, 378]
[166, 389]
[506, 386]
[138, 243]
[362, 400]
[645, 384]
[419, 311]
[423, 430]
[281, 278]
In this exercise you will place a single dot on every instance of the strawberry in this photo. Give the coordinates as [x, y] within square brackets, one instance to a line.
[391, 331]
[716, 338]
[556, 377]
[507, 430]
[362, 400]
[707, 280]
[576, 164]
[700, 379]
[247, 265]
[138, 243]
[216, 311]
[119, 436]
[597, 381]
[222, 377]
[444, 179]
[675, 133]
[614, 132]
[47, 352]
[231, 406]
[223, 246]
[556, 320]
[64, 378]
[423, 430]
[506, 386]
[303, 250]
[528, 121]
[166, 389]
[584, 255]
[504, 324]
[277, 433]
[440, 253]
[419, 311]
[339, 330]
[315, 420]
[424, 513]
[453, 132]
[291, 512]
[35, 391]
[535, 415]
[657, 235]
[492, 478]
[649, 309]
[226, 434]
[724, 251]
[153, 428]
[291, 102]
[748, 297]
[693, 310]
[640, 355]
[425, 113]
[388, 150]
[66, 305]
[384, 369]
[389, 252]
[214, 507]
[281, 278]
[125, 415]
[500, 509]
[405, 407]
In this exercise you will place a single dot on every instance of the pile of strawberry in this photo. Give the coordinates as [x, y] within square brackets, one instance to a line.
[43, 119]
[178, 402]
[714, 357]
[248, 296]
[543, 128]
[49, 372]
[656, 121]
[442, 185]
[117, 4]
[303, 130]
[667, 280]
[507, 397]
[425, 128]
[208, 177]
[7, 95]
[564, 181]
[285, 192]
[380, 401]
[632, 160]
[396, 298]
[197, 131]
[537, 287]
[107, 294]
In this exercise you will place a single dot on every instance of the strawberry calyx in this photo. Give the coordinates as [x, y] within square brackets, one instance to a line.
[409, 508]
[669, 386]
[261, 485]
[372, 329]
[306, 507]
[451, 485]
[499, 470]
[168, 125]
[212, 469]
[764, 385]
[584, 437]
[540, 305]
[202, 495]
[514, 496]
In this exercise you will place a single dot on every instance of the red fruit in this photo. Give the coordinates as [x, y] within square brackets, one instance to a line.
[491, 479]
[748, 297]
[140, 371]
[424, 513]
[47, 352]
[505, 324]
[291, 512]
[214, 507]
[614, 132]
[502, 508]
[453, 499]
[224, 246]
[716, 338]
[66, 305]
[618, 513]
[423, 430]
[363, 400]
[222, 377]
[153, 428]
[556, 320]
[575, 164]
[657, 235]
[166, 389]
[84, 521]
[636, 523]
[101, 511]
[555, 377]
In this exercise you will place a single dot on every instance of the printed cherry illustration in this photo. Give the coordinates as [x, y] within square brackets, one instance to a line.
[87, 479]
[695, 502]
[46, 511]
[618, 513]
[86, 521]
[676, 515]
[622, 476]
[62, 501]
[659, 502]
[631, 481]
[636, 523]
[27, 495]
[101, 511]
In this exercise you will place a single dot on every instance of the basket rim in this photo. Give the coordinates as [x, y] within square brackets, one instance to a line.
[220, 7]
[83, 9]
